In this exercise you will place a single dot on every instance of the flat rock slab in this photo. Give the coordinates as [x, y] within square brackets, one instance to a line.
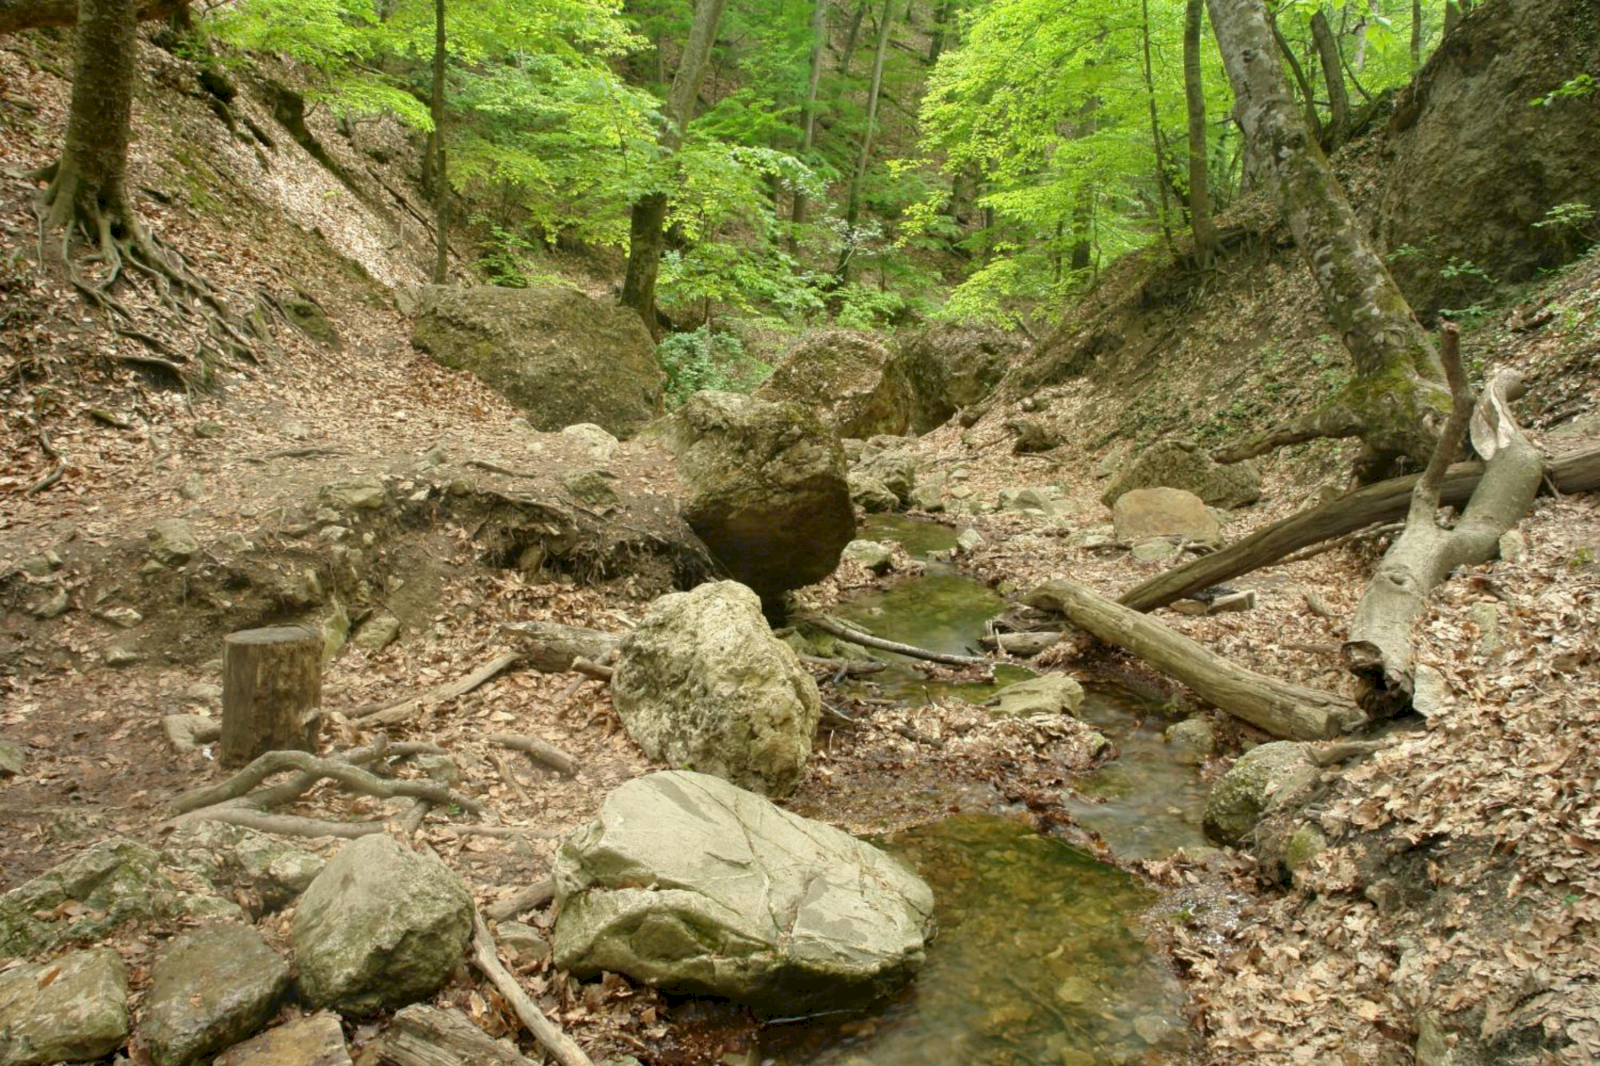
[209, 989]
[115, 881]
[70, 1010]
[315, 1040]
[693, 885]
[1048, 694]
[379, 928]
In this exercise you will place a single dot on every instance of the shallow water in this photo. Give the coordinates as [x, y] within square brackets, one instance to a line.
[1039, 959]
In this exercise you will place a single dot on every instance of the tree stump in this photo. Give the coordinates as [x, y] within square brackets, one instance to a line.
[271, 692]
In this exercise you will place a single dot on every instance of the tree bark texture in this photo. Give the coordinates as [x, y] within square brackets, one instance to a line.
[1386, 501]
[1286, 710]
[271, 692]
[89, 187]
[1155, 132]
[864, 152]
[1397, 394]
[18, 15]
[1194, 92]
[647, 222]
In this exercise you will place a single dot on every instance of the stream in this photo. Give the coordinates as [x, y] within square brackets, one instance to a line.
[1040, 956]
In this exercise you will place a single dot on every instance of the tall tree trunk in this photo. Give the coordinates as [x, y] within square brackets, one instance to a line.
[864, 153]
[441, 219]
[808, 112]
[1194, 91]
[89, 185]
[1333, 75]
[1155, 130]
[1397, 399]
[647, 224]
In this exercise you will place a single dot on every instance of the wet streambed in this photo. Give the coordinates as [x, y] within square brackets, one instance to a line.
[1040, 956]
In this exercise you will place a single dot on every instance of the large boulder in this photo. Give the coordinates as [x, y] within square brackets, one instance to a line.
[1181, 464]
[855, 381]
[1476, 167]
[702, 684]
[1145, 514]
[312, 1040]
[690, 884]
[766, 489]
[72, 1009]
[1263, 779]
[209, 989]
[115, 881]
[560, 356]
[380, 927]
[954, 366]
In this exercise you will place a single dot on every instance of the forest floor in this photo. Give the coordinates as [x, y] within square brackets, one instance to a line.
[1460, 881]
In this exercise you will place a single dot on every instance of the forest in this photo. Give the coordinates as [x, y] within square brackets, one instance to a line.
[799, 532]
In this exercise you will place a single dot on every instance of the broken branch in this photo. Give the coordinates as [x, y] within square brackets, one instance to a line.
[485, 955]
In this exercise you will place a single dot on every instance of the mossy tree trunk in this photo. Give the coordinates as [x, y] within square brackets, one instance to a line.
[441, 191]
[1397, 399]
[1333, 75]
[647, 235]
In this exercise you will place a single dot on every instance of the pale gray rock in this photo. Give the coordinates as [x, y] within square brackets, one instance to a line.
[1047, 694]
[871, 554]
[1181, 464]
[969, 540]
[1159, 550]
[208, 990]
[172, 542]
[314, 1040]
[70, 1009]
[361, 493]
[870, 494]
[1192, 738]
[380, 927]
[377, 632]
[600, 444]
[13, 757]
[703, 684]
[268, 871]
[691, 884]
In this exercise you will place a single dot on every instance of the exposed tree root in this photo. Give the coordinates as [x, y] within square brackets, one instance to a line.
[522, 900]
[395, 711]
[346, 774]
[539, 751]
[847, 632]
[290, 825]
[55, 472]
[1378, 649]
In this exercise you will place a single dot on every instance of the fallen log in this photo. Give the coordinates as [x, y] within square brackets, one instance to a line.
[552, 648]
[1022, 645]
[1283, 709]
[856, 636]
[1387, 501]
[424, 1035]
[393, 712]
[539, 751]
[1378, 648]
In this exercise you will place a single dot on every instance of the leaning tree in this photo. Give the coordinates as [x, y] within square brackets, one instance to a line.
[1397, 400]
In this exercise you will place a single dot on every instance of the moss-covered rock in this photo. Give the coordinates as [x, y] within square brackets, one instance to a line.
[1264, 778]
[560, 356]
[766, 489]
[1180, 464]
[208, 989]
[953, 367]
[380, 927]
[71, 1009]
[702, 684]
[854, 380]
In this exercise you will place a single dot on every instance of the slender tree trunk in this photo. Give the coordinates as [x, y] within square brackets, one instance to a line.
[1333, 75]
[1397, 400]
[647, 225]
[1313, 122]
[808, 112]
[850, 38]
[441, 221]
[864, 154]
[1155, 131]
[1416, 35]
[1205, 234]
[941, 20]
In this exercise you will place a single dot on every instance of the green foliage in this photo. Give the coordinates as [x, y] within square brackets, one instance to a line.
[702, 360]
[1574, 88]
[1575, 217]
